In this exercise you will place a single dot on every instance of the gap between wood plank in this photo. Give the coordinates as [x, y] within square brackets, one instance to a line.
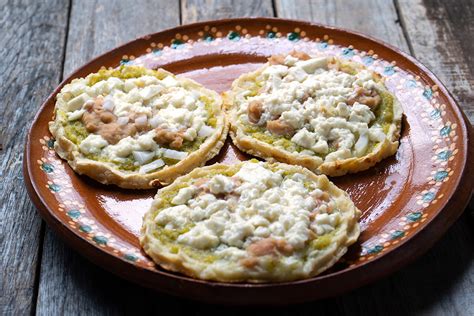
[401, 20]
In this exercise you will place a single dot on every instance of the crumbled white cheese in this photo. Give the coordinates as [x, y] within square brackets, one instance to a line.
[92, 144]
[150, 91]
[169, 81]
[235, 214]
[376, 134]
[314, 100]
[146, 142]
[164, 104]
[253, 172]
[174, 217]
[184, 195]
[312, 64]
[304, 138]
[325, 223]
[205, 131]
[220, 184]
[199, 237]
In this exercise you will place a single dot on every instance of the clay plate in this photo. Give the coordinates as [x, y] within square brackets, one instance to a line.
[408, 201]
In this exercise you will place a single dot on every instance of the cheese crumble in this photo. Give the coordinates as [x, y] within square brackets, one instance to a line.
[147, 102]
[233, 214]
[309, 102]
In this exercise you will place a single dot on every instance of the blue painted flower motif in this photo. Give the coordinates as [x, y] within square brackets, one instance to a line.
[397, 234]
[233, 36]
[54, 187]
[85, 228]
[375, 249]
[124, 61]
[348, 52]
[428, 93]
[176, 44]
[48, 168]
[293, 36]
[323, 45]
[271, 34]
[156, 51]
[100, 240]
[435, 114]
[428, 197]
[445, 155]
[208, 38]
[440, 175]
[413, 217]
[389, 70]
[410, 83]
[50, 143]
[130, 257]
[368, 60]
[74, 214]
[445, 131]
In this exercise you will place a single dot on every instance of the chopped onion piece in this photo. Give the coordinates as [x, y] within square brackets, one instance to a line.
[155, 121]
[174, 154]
[360, 146]
[72, 116]
[123, 120]
[205, 131]
[77, 103]
[108, 105]
[152, 166]
[143, 156]
[141, 121]
[170, 82]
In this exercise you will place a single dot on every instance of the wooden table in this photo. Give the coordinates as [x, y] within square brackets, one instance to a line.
[41, 42]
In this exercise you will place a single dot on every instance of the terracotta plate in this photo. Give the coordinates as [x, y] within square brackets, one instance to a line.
[408, 201]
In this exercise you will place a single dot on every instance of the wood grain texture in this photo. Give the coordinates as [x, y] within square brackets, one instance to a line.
[95, 27]
[441, 36]
[377, 18]
[31, 45]
[202, 10]
[99, 25]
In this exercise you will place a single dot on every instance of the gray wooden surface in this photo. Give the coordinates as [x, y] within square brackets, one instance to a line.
[43, 41]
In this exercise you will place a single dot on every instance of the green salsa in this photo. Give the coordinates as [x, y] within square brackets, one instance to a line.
[123, 72]
[208, 106]
[168, 237]
[384, 113]
[322, 241]
[76, 132]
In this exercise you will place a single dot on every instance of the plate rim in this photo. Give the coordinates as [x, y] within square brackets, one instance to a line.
[457, 198]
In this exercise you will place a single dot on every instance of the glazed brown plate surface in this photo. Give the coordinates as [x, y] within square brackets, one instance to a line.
[408, 200]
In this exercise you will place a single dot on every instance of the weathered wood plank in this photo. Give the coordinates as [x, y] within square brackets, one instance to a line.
[97, 26]
[71, 282]
[201, 10]
[31, 45]
[377, 18]
[441, 36]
